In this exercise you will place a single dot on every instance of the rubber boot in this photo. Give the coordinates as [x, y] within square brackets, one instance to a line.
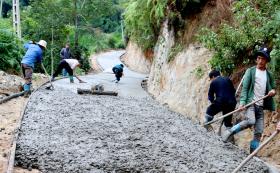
[228, 133]
[254, 144]
[208, 118]
[231, 138]
[71, 79]
[26, 88]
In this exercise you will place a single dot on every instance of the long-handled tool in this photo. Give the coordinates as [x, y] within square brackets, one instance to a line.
[255, 152]
[236, 110]
[51, 87]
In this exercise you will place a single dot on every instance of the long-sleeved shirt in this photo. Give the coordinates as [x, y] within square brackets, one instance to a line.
[118, 69]
[248, 85]
[222, 91]
[65, 53]
[33, 54]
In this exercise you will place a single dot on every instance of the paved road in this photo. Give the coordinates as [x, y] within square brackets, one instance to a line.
[130, 84]
[66, 132]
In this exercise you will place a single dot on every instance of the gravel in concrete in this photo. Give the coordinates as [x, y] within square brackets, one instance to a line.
[66, 132]
[77, 133]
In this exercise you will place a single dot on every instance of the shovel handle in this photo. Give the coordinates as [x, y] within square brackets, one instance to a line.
[255, 152]
[236, 110]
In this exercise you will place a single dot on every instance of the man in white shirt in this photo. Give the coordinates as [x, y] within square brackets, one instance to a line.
[258, 82]
[69, 65]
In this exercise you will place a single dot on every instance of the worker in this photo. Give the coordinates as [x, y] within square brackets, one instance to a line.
[118, 71]
[34, 54]
[65, 53]
[258, 82]
[70, 66]
[221, 94]
[278, 126]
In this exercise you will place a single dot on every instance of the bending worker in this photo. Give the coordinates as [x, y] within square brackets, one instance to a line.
[118, 71]
[258, 82]
[34, 54]
[69, 65]
[224, 100]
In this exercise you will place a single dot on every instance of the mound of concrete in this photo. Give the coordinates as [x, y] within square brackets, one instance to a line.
[65, 132]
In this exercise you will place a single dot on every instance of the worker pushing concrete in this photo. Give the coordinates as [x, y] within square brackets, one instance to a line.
[258, 82]
[118, 71]
[70, 66]
[34, 54]
[221, 94]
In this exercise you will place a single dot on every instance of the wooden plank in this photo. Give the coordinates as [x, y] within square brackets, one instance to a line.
[87, 91]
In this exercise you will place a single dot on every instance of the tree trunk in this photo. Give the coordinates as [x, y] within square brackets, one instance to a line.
[76, 37]
[1, 5]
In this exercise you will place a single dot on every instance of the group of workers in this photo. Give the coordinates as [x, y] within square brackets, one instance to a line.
[67, 65]
[258, 82]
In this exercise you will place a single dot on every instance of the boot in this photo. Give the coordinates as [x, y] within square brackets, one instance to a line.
[228, 133]
[71, 79]
[27, 91]
[231, 138]
[208, 118]
[254, 144]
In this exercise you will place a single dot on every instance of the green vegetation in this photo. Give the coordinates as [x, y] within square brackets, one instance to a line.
[10, 52]
[143, 18]
[199, 72]
[174, 51]
[255, 24]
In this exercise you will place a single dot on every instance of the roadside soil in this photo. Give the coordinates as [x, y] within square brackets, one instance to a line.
[10, 115]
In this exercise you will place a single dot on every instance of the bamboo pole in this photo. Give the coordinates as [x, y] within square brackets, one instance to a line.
[255, 152]
[236, 110]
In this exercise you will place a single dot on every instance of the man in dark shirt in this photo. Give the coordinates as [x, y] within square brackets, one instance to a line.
[221, 94]
[65, 54]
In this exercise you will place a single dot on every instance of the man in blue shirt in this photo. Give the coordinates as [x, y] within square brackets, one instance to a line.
[34, 54]
[221, 94]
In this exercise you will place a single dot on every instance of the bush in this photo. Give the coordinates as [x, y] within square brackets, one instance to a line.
[253, 27]
[143, 18]
[10, 48]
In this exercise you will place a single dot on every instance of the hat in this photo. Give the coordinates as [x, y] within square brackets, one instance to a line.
[214, 73]
[264, 52]
[42, 43]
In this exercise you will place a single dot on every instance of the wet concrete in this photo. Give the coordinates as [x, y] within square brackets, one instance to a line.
[66, 132]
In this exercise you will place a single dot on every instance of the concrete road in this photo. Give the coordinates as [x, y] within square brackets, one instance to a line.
[129, 85]
[66, 132]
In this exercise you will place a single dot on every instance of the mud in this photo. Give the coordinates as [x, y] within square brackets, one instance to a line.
[73, 133]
